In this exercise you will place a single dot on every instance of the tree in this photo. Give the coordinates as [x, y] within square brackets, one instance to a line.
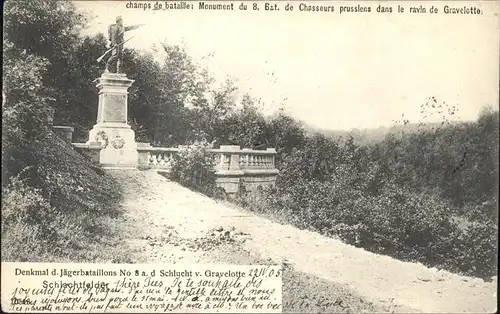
[47, 29]
[211, 112]
[77, 101]
[166, 85]
[51, 30]
[285, 134]
[24, 110]
[145, 96]
[245, 126]
[43, 27]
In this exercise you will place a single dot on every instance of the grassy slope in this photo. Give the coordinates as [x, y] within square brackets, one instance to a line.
[63, 211]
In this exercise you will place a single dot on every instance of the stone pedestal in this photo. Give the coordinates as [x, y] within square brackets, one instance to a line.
[117, 138]
[64, 132]
[229, 179]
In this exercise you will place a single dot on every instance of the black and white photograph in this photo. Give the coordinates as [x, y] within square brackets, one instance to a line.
[250, 156]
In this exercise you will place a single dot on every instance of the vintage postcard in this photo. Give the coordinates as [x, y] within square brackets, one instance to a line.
[250, 156]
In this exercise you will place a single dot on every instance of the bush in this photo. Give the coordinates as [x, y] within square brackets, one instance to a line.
[25, 108]
[56, 206]
[478, 248]
[193, 167]
[23, 221]
[406, 222]
[401, 196]
[32, 229]
[472, 245]
[398, 222]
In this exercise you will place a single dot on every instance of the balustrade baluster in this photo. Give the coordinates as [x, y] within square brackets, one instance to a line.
[242, 161]
[167, 157]
[223, 161]
[246, 161]
[217, 160]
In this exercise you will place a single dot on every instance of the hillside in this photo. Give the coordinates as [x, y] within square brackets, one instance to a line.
[57, 205]
[158, 221]
[167, 223]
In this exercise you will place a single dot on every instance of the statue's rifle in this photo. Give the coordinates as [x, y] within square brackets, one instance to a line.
[111, 49]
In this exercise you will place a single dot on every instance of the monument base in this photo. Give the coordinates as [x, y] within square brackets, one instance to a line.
[119, 148]
[118, 142]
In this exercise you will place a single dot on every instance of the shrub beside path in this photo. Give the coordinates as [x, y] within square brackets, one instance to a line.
[167, 223]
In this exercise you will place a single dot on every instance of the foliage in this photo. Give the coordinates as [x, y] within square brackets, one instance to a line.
[244, 126]
[77, 96]
[24, 110]
[55, 204]
[49, 30]
[193, 167]
[24, 213]
[285, 134]
[42, 26]
[161, 94]
[211, 113]
[399, 197]
[459, 161]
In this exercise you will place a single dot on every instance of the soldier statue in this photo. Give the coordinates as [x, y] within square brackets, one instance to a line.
[115, 44]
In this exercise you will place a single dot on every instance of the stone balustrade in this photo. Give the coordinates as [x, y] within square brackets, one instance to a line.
[234, 166]
[155, 157]
[256, 159]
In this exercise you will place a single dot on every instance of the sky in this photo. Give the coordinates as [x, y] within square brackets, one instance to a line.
[333, 71]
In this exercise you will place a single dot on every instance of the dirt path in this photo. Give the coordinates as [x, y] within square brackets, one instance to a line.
[167, 223]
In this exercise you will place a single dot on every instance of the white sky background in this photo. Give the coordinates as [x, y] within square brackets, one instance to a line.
[336, 71]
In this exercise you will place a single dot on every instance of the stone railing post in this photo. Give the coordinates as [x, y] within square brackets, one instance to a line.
[94, 152]
[65, 132]
[91, 150]
[273, 157]
[229, 179]
[50, 117]
[143, 150]
[234, 159]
